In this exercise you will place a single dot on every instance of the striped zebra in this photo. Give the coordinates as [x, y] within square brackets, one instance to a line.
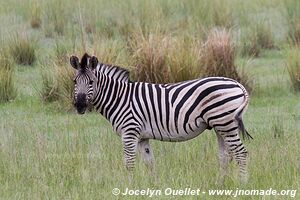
[176, 112]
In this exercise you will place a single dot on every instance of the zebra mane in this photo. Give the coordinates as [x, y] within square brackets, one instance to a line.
[115, 72]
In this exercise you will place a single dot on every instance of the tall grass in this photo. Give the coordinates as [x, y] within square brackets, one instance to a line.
[54, 155]
[209, 13]
[292, 8]
[49, 91]
[57, 84]
[249, 45]
[35, 15]
[218, 57]
[7, 87]
[149, 54]
[218, 54]
[163, 59]
[222, 13]
[255, 38]
[61, 50]
[265, 35]
[111, 51]
[293, 66]
[55, 18]
[23, 49]
[183, 59]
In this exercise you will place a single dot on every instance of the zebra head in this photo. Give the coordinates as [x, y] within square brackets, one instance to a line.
[84, 81]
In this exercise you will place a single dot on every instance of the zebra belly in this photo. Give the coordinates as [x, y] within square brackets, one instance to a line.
[164, 135]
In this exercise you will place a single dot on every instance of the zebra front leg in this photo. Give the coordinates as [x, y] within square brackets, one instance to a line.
[130, 142]
[147, 154]
[224, 159]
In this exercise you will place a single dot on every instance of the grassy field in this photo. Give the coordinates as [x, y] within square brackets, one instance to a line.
[48, 153]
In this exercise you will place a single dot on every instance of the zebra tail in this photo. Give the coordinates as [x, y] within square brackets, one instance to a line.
[241, 126]
[239, 114]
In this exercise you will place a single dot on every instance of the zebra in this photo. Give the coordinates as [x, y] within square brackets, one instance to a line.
[140, 111]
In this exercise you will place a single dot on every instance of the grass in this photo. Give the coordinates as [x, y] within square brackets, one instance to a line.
[292, 8]
[23, 49]
[293, 66]
[57, 85]
[7, 87]
[265, 36]
[249, 46]
[48, 152]
[111, 51]
[184, 64]
[35, 17]
[64, 155]
[218, 56]
[255, 38]
[149, 54]
[55, 18]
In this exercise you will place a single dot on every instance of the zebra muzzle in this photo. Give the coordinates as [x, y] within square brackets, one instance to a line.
[81, 103]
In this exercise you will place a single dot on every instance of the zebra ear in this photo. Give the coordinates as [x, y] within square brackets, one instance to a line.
[93, 62]
[74, 61]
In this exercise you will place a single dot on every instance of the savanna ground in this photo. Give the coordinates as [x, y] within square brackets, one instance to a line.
[50, 152]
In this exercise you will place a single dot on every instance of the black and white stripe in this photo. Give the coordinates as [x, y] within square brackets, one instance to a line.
[141, 111]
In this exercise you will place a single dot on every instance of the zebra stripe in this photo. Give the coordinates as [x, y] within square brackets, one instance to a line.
[141, 111]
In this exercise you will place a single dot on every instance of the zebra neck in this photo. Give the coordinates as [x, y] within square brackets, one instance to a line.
[112, 97]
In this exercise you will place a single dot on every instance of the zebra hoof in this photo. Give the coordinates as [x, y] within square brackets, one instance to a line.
[244, 179]
[220, 181]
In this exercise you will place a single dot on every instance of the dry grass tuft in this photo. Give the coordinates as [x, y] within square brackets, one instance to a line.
[58, 85]
[257, 37]
[164, 59]
[111, 51]
[7, 88]
[149, 53]
[292, 8]
[183, 59]
[265, 36]
[249, 44]
[23, 49]
[35, 15]
[293, 66]
[218, 57]
[218, 54]
[294, 32]
[159, 58]
[61, 52]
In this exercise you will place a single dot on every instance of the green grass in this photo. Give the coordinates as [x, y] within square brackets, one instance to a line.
[23, 49]
[293, 66]
[7, 88]
[51, 154]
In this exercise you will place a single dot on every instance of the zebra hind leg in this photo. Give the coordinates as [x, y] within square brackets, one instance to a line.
[224, 159]
[237, 149]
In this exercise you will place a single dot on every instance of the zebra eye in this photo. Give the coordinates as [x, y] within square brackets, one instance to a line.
[91, 82]
[74, 81]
